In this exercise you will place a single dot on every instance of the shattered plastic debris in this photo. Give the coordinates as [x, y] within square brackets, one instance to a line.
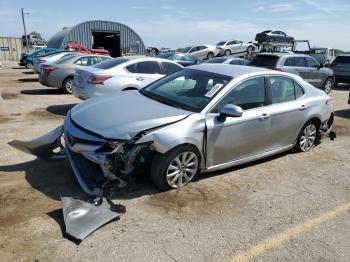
[82, 218]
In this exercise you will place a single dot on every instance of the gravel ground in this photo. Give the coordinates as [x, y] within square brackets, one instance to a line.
[291, 207]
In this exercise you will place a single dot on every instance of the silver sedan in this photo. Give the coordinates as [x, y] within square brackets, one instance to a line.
[119, 74]
[199, 119]
[60, 73]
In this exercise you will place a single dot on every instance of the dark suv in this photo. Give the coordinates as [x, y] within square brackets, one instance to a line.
[341, 68]
[303, 65]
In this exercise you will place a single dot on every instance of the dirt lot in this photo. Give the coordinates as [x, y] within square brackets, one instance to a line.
[291, 207]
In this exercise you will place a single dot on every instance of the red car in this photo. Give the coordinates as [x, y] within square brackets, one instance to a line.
[83, 49]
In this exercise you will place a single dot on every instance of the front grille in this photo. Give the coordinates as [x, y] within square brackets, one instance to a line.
[90, 172]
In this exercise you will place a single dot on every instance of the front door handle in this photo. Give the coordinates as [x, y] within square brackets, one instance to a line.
[140, 78]
[264, 116]
[303, 107]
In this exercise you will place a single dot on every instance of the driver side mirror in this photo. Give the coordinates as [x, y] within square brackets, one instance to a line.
[319, 66]
[229, 111]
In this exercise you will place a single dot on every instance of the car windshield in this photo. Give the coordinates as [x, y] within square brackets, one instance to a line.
[110, 63]
[221, 43]
[184, 50]
[264, 61]
[188, 89]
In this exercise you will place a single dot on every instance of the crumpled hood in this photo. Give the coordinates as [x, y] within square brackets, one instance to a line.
[124, 114]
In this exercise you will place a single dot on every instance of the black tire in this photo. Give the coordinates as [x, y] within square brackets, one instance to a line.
[328, 85]
[227, 52]
[67, 85]
[161, 164]
[29, 65]
[299, 145]
[210, 55]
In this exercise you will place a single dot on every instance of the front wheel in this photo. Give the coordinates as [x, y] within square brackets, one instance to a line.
[67, 85]
[307, 137]
[175, 168]
[328, 85]
[227, 52]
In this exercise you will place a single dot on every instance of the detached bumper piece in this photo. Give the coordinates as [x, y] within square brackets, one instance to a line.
[82, 218]
[43, 146]
[326, 128]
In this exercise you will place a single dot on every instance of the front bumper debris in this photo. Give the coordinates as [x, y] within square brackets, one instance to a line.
[326, 128]
[43, 146]
[82, 218]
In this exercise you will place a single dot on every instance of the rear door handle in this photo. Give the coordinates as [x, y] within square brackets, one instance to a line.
[303, 107]
[140, 78]
[264, 116]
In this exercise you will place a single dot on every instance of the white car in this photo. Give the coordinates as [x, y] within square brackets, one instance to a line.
[200, 51]
[235, 48]
[119, 74]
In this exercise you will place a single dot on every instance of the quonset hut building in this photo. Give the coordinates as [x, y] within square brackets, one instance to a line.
[114, 37]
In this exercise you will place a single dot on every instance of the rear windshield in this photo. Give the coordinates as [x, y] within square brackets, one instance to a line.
[342, 60]
[110, 63]
[264, 61]
[217, 60]
[65, 58]
[221, 43]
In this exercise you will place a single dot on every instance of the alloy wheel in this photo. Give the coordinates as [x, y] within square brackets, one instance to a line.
[308, 137]
[328, 86]
[68, 85]
[182, 169]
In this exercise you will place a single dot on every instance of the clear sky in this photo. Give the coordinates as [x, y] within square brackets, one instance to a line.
[177, 23]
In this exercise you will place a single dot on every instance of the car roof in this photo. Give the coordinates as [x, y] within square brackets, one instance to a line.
[228, 70]
[283, 54]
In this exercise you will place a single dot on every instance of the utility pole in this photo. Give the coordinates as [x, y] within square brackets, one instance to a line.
[25, 30]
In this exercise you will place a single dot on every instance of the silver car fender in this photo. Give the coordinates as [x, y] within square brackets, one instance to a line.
[190, 130]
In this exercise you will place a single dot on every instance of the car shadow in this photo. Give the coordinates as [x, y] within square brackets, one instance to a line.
[55, 178]
[28, 72]
[344, 113]
[26, 80]
[47, 91]
[61, 110]
[18, 67]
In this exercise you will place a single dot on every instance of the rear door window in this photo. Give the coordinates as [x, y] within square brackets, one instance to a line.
[282, 89]
[299, 62]
[289, 61]
[148, 67]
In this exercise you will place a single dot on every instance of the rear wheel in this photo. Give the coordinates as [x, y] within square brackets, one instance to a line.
[175, 168]
[307, 137]
[29, 65]
[328, 85]
[67, 85]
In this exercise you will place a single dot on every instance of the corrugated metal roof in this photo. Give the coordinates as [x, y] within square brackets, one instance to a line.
[82, 33]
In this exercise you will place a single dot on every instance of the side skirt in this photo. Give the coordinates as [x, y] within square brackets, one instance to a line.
[246, 159]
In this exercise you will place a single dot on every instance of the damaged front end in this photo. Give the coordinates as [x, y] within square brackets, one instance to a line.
[96, 161]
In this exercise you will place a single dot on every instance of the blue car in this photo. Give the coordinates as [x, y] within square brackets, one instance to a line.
[27, 59]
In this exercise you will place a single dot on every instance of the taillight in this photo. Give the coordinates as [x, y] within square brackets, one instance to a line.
[49, 69]
[98, 79]
[329, 102]
[275, 68]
